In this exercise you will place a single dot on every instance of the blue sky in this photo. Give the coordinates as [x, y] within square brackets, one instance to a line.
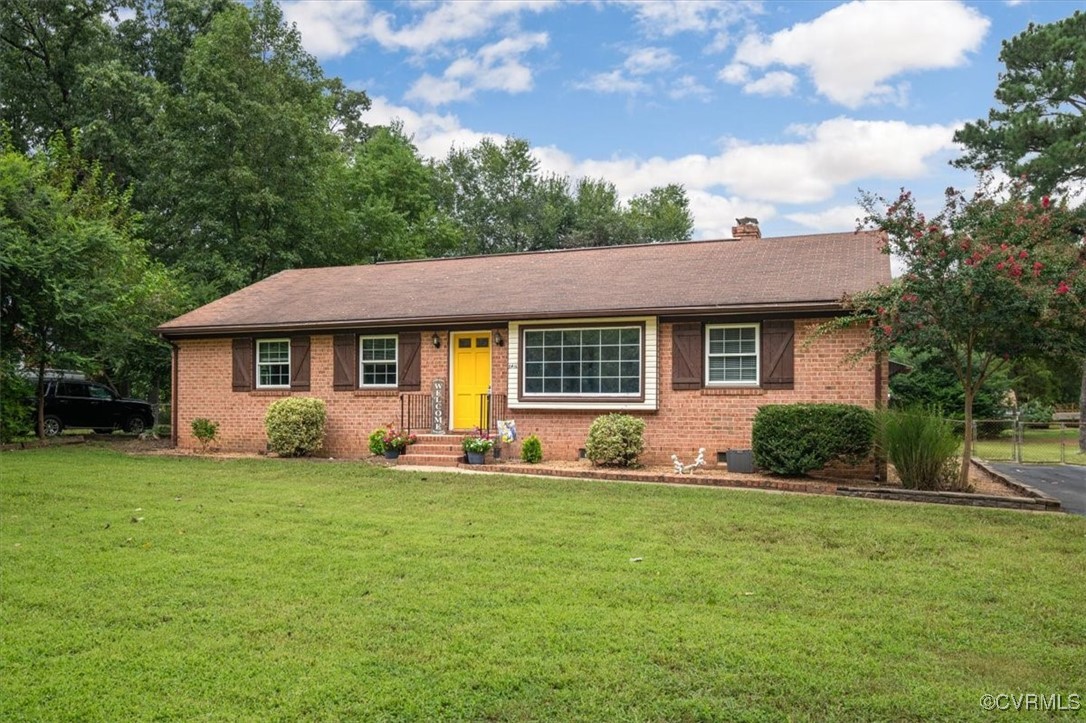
[778, 110]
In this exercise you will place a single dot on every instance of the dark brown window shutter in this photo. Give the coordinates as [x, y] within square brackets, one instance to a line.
[410, 361]
[686, 360]
[299, 363]
[778, 354]
[243, 364]
[345, 362]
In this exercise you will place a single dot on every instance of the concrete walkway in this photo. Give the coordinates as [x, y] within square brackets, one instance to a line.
[1065, 482]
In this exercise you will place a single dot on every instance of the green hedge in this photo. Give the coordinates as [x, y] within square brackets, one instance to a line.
[794, 439]
[615, 440]
[295, 426]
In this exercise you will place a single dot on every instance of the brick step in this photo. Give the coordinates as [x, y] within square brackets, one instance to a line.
[437, 460]
[439, 438]
[425, 448]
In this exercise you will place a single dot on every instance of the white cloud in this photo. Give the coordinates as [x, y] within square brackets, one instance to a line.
[777, 82]
[688, 87]
[851, 50]
[333, 28]
[496, 66]
[837, 218]
[434, 134]
[665, 18]
[329, 28]
[649, 60]
[742, 179]
[734, 73]
[613, 82]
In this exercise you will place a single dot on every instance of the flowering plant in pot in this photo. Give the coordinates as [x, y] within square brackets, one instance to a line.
[477, 445]
[393, 442]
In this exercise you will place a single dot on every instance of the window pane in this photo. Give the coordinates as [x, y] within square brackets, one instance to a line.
[584, 361]
[533, 338]
[463, 343]
[379, 362]
[732, 354]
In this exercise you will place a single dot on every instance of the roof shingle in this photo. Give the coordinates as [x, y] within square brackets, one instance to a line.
[683, 277]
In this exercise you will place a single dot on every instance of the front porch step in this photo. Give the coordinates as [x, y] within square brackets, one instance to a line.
[434, 460]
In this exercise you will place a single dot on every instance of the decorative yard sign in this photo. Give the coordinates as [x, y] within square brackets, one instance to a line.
[437, 394]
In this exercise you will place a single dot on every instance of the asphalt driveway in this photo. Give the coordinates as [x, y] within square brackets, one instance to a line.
[1067, 483]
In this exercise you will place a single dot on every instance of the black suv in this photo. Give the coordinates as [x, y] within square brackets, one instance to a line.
[80, 403]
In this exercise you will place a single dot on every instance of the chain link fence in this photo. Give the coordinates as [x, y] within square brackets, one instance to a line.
[1009, 440]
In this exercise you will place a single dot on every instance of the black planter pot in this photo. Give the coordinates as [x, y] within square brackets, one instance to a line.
[476, 457]
[392, 454]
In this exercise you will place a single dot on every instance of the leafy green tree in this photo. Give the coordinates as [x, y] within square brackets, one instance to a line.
[246, 177]
[931, 382]
[45, 48]
[390, 200]
[1039, 128]
[990, 278]
[78, 286]
[662, 214]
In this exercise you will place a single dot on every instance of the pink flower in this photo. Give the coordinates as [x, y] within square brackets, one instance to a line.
[1063, 288]
[887, 329]
[1023, 254]
[1000, 266]
[1045, 202]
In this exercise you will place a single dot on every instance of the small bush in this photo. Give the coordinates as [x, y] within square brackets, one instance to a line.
[377, 441]
[205, 431]
[794, 439]
[532, 450]
[295, 426]
[922, 447]
[615, 440]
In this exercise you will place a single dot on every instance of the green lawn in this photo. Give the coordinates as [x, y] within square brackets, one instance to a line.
[1039, 445]
[138, 588]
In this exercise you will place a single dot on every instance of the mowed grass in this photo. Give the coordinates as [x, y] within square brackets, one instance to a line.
[1038, 445]
[148, 587]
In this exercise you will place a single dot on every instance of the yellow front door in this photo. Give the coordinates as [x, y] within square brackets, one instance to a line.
[470, 378]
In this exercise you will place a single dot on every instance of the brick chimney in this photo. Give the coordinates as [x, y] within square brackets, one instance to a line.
[745, 228]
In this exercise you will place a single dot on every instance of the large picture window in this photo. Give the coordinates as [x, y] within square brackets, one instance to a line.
[731, 354]
[584, 362]
[377, 357]
[272, 363]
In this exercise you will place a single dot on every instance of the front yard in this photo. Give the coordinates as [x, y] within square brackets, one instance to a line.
[152, 587]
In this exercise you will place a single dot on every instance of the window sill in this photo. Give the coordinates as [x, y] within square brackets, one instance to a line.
[269, 393]
[376, 392]
[732, 392]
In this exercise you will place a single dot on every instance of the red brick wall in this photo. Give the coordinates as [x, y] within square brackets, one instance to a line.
[716, 419]
[205, 382]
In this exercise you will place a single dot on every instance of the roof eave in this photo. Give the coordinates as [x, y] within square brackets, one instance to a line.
[175, 332]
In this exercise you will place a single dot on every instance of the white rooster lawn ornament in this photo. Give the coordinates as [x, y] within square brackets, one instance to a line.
[681, 468]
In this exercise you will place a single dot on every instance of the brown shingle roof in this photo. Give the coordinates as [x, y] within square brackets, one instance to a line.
[674, 278]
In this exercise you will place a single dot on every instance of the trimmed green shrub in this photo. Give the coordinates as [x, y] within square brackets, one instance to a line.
[794, 439]
[295, 426]
[615, 440]
[922, 446]
[531, 451]
[205, 431]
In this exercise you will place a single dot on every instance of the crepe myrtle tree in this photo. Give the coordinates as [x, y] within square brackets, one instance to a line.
[992, 277]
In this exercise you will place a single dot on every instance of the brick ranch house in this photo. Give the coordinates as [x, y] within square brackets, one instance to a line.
[693, 337]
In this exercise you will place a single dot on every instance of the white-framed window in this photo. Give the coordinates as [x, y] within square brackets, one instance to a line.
[272, 363]
[583, 362]
[731, 354]
[377, 361]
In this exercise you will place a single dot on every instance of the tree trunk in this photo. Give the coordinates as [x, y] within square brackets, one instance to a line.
[1082, 411]
[967, 441]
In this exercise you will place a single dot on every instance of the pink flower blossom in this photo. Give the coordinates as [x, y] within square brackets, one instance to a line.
[1063, 288]
[1045, 202]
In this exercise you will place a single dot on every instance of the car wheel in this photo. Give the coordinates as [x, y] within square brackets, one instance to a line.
[135, 425]
[52, 426]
